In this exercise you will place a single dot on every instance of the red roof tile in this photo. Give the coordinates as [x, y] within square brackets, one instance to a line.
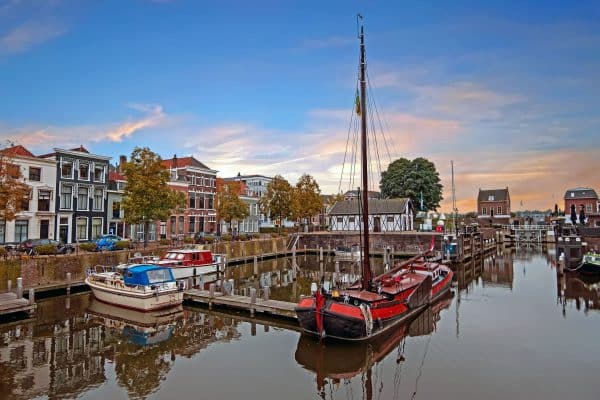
[115, 176]
[17, 151]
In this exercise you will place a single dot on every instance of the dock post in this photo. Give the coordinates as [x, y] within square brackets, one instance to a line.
[294, 252]
[19, 288]
[231, 286]
[252, 300]
[266, 293]
[190, 283]
[9, 286]
[68, 283]
[31, 296]
[561, 263]
[337, 267]
[321, 253]
[328, 251]
[211, 290]
[321, 268]
[255, 265]
[304, 252]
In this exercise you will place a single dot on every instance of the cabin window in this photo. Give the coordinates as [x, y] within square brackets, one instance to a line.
[180, 256]
[158, 275]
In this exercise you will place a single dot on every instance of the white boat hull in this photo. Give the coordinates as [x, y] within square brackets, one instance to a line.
[134, 299]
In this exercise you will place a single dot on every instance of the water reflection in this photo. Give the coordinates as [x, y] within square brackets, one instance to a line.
[580, 290]
[335, 364]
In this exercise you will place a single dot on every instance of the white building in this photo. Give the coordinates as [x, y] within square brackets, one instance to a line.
[386, 215]
[36, 221]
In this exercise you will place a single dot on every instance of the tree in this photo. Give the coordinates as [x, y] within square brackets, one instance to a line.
[229, 205]
[13, 192]
[147, 196]
[277, 201]
[405, 178]
[306, 199]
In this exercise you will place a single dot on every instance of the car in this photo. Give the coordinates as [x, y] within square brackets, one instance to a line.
[28, 246]
[107, 242]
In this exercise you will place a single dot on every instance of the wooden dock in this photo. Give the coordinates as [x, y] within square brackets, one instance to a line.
[253, 305]
[10, 304]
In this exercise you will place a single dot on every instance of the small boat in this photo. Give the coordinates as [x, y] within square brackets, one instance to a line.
[186, 263]
[348, 253]
[590, 264]
[143, 287]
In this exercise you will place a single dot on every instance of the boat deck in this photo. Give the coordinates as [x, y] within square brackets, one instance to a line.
[10, 304]
[273, 307]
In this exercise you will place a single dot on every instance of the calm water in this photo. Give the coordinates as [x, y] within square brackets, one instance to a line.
[511, 330]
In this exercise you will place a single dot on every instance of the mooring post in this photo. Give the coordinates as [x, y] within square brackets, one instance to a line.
[231, 286]
[19, 288]
[68, 283]
[68, 303]
[9, 285]
[266, 293]
[561, 263]
[305, 252]
[211, 290]
[337, 267]
[321, 253]
[255, 265]
[252, 300]
[294, 252]
[321, 268]
[31, 296]
[190, 284]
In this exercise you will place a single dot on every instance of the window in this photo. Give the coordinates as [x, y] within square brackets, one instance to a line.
[340, 220]
[116, 210]
[499, 209]
[44, 200]
[66, 169]
[98, 199]
[82, 198]
[192, 223]
[35, 174]
[491, 198]
[180, 225]
[210, 202]
[192, 200]
[351, 220]
[21, 230]
[25, 201]
[588, 208]
[98, 173]
[172, 226]
[81, 228]
[2, 230]
[390, 219]
[66, 194]
[13, 171]
[96, 228]
[200, 201]
[484, 211]
[84, 171]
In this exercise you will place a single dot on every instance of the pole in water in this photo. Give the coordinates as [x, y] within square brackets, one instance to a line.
[19, 288]
[32, 296]
[9, 286]
[68, 283]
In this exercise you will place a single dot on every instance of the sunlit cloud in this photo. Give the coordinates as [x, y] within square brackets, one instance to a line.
[29, 34]
[154, 117]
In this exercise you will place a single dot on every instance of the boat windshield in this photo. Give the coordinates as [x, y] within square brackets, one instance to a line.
[158, 275]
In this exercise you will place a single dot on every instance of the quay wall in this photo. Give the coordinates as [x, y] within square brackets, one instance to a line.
[48, 271]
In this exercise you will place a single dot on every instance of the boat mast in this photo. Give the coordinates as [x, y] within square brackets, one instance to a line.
[454, 209]
[366, 268]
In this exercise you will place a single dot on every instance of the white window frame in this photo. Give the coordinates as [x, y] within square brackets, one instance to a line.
[94, 199]
[499, 210]
[87, 202]
[77, 228]
[60, 203]
[72, 169]
[103, 168]
[79, 164]
[483, 211]
[101, 227]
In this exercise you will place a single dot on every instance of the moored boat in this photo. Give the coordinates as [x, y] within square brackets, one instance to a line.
[143, 287]
[590, 264]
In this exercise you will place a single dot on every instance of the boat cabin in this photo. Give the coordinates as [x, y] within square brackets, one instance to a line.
[146, 275]
[188, 257]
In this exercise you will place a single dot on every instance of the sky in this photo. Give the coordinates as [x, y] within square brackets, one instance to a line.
[509, 91]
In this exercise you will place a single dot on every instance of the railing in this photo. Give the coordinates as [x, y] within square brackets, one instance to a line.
[529, 227]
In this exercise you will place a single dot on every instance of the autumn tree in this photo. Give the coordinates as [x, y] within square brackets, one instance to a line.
[14, 193]
[147, 196]
[413, 179]
[229, 204]
[277, 200]
[306, 199]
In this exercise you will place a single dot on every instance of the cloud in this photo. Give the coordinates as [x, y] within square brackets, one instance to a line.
[30, 34]
[154, 117]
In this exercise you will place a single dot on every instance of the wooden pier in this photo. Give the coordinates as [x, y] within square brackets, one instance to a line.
[11, 303]
[252, 303]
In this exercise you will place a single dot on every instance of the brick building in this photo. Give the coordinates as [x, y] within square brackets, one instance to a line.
[493, 207]
[585, 198]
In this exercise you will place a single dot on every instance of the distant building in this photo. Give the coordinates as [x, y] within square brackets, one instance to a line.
[586, 198]
[249, 196]
[115, 216]
[385, 215]
[36, 220]
[353, 194]
[493, 207]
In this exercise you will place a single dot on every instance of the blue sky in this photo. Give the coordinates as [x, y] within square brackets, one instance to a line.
[508, 90]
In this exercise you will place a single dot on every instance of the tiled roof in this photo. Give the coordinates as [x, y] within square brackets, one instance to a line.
[581, 193]
[17, 150]
[80, 149]
[184, 162]
[354, 193]
[376, 206]
[115, 176]
[498, 194]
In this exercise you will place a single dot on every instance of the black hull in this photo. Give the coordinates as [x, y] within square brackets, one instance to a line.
[307, 319]
[589, 269]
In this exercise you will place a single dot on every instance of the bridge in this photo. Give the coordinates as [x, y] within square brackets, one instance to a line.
[530, 233]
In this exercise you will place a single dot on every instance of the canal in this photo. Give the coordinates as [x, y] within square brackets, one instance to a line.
[511, 330]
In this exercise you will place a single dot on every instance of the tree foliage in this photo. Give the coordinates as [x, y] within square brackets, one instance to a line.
[229, 204]
[405, 178]
[307, 200]
[147, 196]
[14, 193]
[277, 201]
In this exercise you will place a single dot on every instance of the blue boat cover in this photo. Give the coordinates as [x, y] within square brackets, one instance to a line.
[145, 274]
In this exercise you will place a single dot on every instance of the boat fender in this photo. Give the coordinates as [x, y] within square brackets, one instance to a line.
[366, 312]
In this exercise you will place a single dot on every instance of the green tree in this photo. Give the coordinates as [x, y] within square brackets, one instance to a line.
[14, 194]
[306, 199]
[277, 201]
[147, 196]
[229, 204]
[405, 178]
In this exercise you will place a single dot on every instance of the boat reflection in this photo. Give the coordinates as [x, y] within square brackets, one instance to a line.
[337, 362]
[581, 290]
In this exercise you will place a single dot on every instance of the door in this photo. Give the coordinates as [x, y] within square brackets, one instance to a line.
[63, 233]
[377, 224]
[44, 227]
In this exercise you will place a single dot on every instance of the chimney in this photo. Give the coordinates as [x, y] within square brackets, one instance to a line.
[174, 167]
[122, 160]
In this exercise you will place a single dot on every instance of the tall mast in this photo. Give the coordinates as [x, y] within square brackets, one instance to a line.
[366, 270]
[454, 209]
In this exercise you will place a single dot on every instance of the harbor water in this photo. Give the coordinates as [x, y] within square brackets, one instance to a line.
[511, 329]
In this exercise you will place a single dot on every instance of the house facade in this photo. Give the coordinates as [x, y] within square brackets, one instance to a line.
[36, 220]
[81, 201]
[493, 207]
[385, 215]
[250, 197]
[115, 215]
[586, 199]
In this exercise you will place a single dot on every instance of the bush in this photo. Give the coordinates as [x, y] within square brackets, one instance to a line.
[274, 235]
[123, 244]
[188, 240]
[256, 235]
[208, 239]
[87, 246]
[45, 249]
[165, 242]
[242, 236]
[226, 237]
[3, 252]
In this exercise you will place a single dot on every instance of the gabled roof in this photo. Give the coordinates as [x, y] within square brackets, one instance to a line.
[371, 193]
[581, 193]
[498, 194]
[376, 206]
[80, 149]
[17, 150]
[115, 176]
[184, 162]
